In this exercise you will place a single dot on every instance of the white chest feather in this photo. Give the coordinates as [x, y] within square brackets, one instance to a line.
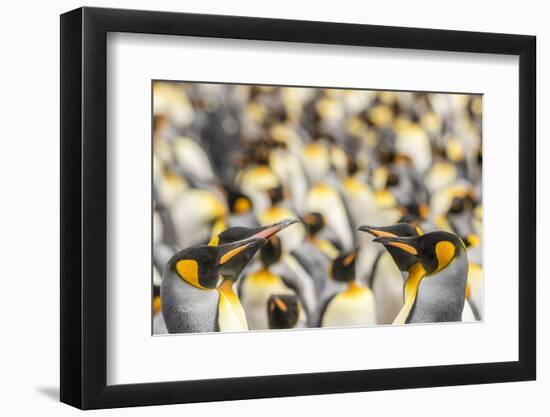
[388, 287]
[257, 288]
[326, 200]
[475, 283]
[467, 313]
[353, 307]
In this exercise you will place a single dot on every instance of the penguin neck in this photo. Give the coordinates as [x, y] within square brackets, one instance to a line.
[353, 288]
[265, 276]
[231, 314]
[416, 273]
[324, 246]
[277, 212]
[226, 288]
[441, 296]
[353, 186]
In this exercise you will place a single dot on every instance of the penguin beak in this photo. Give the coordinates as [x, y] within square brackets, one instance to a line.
[246, 248]
[407, 244]
[269, 231]
[376, 231]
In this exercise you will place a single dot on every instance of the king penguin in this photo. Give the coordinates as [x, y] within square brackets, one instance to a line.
[389, 290]
[435, 288]
[316, 252]
[460, 221]
[257, 287]
[284, 311]
[355, 305]
[385, 279]
[195, 297]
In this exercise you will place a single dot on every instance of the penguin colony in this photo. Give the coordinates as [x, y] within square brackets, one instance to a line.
[283, 207]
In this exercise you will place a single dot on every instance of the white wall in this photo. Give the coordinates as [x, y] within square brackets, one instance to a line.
[30, 205]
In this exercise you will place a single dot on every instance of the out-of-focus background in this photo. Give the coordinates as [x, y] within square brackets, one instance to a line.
[249, 155]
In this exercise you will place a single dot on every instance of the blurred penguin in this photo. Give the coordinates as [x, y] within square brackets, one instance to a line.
[354, 306]
[284, 311]
[256, 288]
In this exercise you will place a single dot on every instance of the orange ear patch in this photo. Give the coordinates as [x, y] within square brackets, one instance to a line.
[242, 205]
[381, 233]
[188, 270]
[349, 259]
[445, 252]
[281, 304]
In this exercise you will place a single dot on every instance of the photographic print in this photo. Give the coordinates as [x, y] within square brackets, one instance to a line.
[281, 207]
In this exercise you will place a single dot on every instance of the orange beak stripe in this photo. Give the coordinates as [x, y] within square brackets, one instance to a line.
[232, 253]
[382, 233]
[405, 247]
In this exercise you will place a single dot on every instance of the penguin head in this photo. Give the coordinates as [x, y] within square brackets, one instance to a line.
[399, 229]
[237, 202]
[393, 180]
[460, 217]
[434, 251]
[271, 251]
[459, 204]
[202, 266]
[276, 194]
[233, 268]
[415, 212]
[343, 267]
[402, 259]
[399, 182]
[314, 223]
[283, 311]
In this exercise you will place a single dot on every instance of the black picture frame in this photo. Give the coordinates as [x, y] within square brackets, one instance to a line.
[84, 207]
